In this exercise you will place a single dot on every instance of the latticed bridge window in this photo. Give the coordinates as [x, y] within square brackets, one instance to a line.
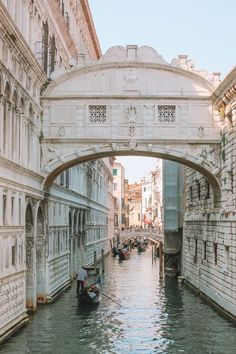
[97, 114]
[166, 114]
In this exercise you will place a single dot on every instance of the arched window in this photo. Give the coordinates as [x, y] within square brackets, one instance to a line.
[7, 93]
[29, 136]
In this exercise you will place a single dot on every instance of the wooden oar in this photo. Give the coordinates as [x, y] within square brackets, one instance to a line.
[110, 298]
[105, 294]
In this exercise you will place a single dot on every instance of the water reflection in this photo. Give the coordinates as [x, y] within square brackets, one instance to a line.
[155, 317]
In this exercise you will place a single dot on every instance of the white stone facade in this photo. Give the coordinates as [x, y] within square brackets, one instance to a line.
[152, 199]
[119, 195]
[45, 234]
[210, 229]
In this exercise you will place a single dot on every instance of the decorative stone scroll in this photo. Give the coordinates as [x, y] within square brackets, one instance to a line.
[132, 145]
[209, 157]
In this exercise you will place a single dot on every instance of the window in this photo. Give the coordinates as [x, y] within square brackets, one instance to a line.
[52, 54]
[191, 193]
[12, 207]
[4, 209]
[67, 178]
[198, 190]
[207, 190]
[114, 172]
[204, 250]
[166, 114]
[13, 255]
[215, 253]
[19, 211]
[114, 186]
[45, 47]
[97, 114]
[226, 257]
[195, 252]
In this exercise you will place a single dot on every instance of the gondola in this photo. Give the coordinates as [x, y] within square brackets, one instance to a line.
[123, 255]
[114, 251]
[90, 295]
[141, 248]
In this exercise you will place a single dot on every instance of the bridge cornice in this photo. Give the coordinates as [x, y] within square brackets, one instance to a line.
[66, 74]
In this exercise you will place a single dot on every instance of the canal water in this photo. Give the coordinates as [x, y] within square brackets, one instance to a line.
[154, 317]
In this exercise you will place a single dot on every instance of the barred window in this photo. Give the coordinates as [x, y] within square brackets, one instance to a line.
[166, 114]
[97, 114]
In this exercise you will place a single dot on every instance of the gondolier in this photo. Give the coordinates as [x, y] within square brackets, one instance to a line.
[82, 275]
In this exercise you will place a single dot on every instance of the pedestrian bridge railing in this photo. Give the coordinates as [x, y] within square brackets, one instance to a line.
[148, 233]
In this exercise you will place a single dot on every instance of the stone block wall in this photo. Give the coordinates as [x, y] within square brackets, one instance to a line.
[210, 229]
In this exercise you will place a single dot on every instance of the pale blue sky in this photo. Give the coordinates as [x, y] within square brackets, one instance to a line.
[202, 29]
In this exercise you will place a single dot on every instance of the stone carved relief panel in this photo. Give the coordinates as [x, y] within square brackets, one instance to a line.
[131, 80]
[11, 298]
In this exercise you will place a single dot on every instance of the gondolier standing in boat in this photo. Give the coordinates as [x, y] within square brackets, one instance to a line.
[82, 275]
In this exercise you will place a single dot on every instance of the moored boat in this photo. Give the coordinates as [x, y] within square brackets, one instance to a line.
[141, 247]
[115, 251]
[123, 254]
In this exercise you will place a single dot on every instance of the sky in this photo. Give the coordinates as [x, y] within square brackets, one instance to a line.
[202, 29]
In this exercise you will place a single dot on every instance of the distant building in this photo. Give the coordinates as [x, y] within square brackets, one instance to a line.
[126, 187]
[119, 194]
[152, 199]
[135, 204]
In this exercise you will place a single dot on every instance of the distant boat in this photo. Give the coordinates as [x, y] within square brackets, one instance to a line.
[123, 254]
[141, 247]
[115, 251]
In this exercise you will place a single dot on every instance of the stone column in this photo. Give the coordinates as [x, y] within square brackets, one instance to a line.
[1, 122]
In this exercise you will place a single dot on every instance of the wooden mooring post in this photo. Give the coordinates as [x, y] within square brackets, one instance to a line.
[95, 260]
[111, 243]
[161, 259]
[103, 261]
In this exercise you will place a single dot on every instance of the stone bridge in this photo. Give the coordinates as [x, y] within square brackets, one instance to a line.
[152, 235]
[131, 102]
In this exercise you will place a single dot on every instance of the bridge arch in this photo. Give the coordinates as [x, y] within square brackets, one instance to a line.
[131, 102]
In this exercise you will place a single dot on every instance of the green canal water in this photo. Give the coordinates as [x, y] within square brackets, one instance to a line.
[155, 317]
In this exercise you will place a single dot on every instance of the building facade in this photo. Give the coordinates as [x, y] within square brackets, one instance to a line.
[45, 234]
[45, 225]
[209, 228]
[152, 199]
[134, 204]
[119, 195]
